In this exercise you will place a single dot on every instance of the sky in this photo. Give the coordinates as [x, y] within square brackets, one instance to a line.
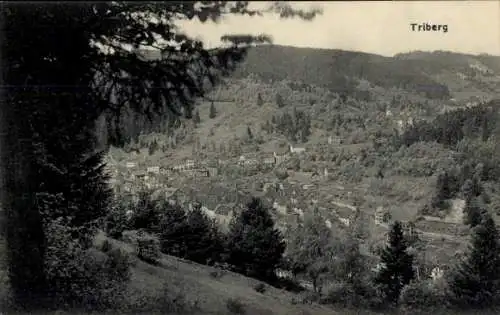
[375, 27]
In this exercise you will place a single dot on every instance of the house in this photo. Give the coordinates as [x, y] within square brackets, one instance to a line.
[408, 228]
[296, 150]
[130, 165]
[285, 274]
[153, 169]
[213, 171]
[140, 176]
[345, 215]
[345, 221]
[283, 209]
[437, 273]
[381, 216]
[165, 171]
[328, 223]
[202, 172]
[248, 160]
[325, 172]
[334, 140]
[189, 164]
[307, 186]
[268, 159]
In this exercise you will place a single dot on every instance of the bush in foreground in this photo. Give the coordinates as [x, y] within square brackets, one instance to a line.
[148, 248]
[421, 295]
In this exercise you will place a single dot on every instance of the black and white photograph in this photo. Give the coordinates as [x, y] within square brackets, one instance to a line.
[250, 157]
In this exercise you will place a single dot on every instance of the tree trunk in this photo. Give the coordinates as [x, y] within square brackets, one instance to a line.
[23, 225]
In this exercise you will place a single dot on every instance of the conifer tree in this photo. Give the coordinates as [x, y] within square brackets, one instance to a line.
[203, 244]
[397, 265]
[249, 133]
[196, 118]
[474, 210]
[255, 246]
[475, 280]
[173, 227]
[260, 101]
[279, 100]
[213, 112]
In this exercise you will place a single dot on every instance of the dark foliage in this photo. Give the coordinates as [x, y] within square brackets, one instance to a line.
[296, 127]
[397, 265]
[212, 112]
[451, 127]
[474, 283]
[474, 211]
[255, 246]
[202, 239]
[260, 101]
[336, 70]
[189, 235]
[146, 214]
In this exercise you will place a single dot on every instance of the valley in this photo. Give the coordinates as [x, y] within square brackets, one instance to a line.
[241, 146]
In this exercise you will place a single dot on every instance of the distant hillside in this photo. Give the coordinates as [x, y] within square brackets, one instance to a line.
[338, 70]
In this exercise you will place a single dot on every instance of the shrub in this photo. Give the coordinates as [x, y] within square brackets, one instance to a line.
[350, 295]
[420, 296]
[235, 306]
[148, 249]
[116, 220]
[260, 287]
[164, 301]
[102, 277]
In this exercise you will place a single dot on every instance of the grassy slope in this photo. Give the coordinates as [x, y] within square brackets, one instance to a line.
[195, 281]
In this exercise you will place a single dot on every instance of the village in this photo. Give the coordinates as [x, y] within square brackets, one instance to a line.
[206, 182]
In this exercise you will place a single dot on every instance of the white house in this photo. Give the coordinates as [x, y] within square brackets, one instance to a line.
[189, 164]
[131, 164]
[296, 150]
[279, 158]
[334, 140]
[437, 273]
[153, 169]
[280, 208]
[328, 223]
[345, 221]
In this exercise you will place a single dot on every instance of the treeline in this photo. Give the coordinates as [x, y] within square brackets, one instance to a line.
[452, 126]
[295, 127]
[336, 70]
[131, 125]
[252, 246]
[332, 261]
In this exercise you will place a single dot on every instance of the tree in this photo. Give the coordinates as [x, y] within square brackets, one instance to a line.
[249, 133]
[212, 112]
[255, 246]
[106, 78]
[203, 243]
[196, 118]
[279, 100]
[260, 101]
[474, 211]
[146, 215]
[397, 265]
[474, 282]
[312, 250]
[153, 147]
[173, 227]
